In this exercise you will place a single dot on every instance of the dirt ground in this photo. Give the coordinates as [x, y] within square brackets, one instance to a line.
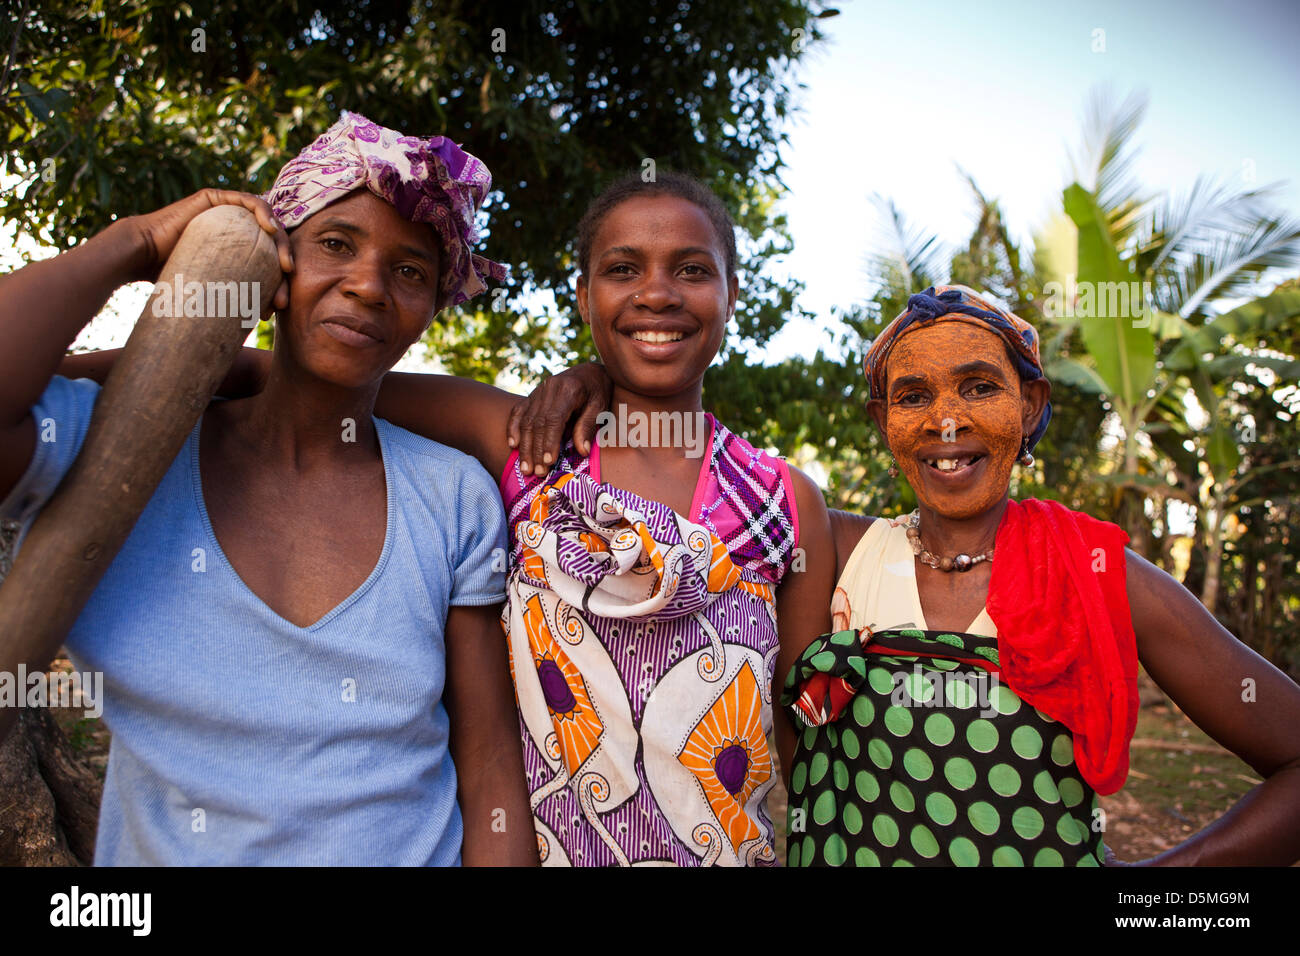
[88, 735]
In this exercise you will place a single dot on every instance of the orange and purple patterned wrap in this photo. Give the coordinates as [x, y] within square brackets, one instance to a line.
[958, 303]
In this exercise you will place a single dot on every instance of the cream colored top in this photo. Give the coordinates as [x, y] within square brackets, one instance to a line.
[878, 586]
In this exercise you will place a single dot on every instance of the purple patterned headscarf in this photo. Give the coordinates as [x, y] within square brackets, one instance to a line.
[426, 180]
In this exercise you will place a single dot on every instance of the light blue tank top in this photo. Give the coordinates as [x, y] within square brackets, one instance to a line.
[242, 739]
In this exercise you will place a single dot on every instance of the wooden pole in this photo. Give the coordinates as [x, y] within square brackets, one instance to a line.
[157, 391]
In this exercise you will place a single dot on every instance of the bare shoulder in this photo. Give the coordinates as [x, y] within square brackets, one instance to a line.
[847, 530]
[807, 494]
[814, 555]
[1162, 608]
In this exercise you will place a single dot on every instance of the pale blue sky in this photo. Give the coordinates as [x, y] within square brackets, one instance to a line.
[900, 93]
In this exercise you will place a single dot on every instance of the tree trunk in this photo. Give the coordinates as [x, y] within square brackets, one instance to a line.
[1214, 555]
[1167, 538]
[1130, 513]
[1272, 587]
[49, 798]
[1250, 599]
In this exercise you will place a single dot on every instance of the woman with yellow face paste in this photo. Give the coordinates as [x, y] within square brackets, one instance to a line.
[981, 688]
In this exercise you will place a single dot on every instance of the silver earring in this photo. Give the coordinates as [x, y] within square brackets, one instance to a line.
[893, 467]
[1025, 458]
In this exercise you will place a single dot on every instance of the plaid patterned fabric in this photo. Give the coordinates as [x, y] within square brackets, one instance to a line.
[750, 509]
[746, 500]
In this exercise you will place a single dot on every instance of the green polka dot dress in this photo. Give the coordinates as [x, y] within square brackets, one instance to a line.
[932, 761]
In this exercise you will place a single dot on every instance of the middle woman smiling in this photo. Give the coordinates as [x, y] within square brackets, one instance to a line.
[649, 586]
[654, 592]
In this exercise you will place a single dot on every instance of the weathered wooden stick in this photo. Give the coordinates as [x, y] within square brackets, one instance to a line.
[167, 374]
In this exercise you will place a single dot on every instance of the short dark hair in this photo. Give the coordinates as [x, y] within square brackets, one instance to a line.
[665, 183]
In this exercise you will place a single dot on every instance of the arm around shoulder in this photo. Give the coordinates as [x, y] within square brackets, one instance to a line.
[247, 376]
[488, 422]
[847, 529]
[458, 412]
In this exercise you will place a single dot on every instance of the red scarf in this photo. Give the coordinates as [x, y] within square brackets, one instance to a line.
[1065, 634]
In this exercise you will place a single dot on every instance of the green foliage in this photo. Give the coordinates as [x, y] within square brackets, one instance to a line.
[137, 103]
[1164, 359]
[1127, 383]
[1123, 349]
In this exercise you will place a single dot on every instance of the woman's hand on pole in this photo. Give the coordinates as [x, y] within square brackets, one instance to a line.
[157, 233]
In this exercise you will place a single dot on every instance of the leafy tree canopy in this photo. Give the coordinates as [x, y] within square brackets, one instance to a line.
[127, 106]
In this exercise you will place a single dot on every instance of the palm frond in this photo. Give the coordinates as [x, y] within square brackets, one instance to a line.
[989, 230]
[1178, 220]
[1232, 263]
[1104, 162]
[1206, 213]
[992, 241]
[905, 258]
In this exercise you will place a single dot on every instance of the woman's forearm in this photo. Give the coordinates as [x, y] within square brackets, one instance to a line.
[246, 377]
[485, 743]
[1237, 697]
[44, 305]
[459, 412]
[487, 422]
[498, 822]
[92, 365]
